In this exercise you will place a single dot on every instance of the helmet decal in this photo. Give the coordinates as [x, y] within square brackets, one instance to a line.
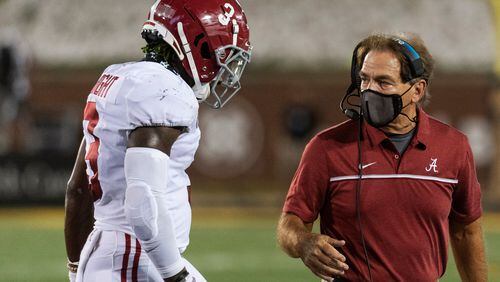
[224, 19]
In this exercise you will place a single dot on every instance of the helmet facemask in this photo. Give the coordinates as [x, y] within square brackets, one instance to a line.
[227, 81]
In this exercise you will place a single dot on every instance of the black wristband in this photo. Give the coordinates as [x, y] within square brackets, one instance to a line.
[179, 277]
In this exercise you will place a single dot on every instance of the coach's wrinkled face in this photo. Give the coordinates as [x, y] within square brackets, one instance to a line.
[380, 72]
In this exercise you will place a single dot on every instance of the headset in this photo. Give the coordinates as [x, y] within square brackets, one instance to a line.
[417, 69]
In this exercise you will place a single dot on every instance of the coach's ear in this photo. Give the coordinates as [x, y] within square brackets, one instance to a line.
[419, 90]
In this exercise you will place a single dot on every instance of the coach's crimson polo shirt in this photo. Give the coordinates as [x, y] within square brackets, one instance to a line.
[406, 200]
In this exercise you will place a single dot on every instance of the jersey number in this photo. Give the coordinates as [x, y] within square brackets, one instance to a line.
[224, 19]
[90, 120]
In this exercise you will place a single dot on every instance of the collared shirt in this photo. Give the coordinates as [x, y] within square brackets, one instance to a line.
[406, 200]
[401, 141]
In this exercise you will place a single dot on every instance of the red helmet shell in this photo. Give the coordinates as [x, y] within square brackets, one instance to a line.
[207, 25]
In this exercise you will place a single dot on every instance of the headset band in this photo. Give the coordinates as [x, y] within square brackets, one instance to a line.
[416, 64]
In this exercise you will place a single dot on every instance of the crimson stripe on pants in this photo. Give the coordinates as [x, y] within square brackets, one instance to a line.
[125, 258]
[136, 260]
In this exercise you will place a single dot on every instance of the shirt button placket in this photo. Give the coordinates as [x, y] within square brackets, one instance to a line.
[398, 162]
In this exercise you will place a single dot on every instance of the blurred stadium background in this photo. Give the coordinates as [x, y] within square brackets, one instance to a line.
[51, 53]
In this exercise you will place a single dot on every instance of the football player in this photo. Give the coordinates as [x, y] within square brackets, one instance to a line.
[128, 215]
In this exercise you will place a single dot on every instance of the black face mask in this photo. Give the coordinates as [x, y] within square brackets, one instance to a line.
[381, 109]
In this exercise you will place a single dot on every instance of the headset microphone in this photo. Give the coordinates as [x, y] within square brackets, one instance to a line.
[353, 89]
[352, 114]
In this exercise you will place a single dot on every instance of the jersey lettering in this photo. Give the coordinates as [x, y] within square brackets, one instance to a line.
[103, 85]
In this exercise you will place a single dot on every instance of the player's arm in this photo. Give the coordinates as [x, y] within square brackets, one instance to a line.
[468, 249]
[146, 171]
[79, 217]
[316, 251]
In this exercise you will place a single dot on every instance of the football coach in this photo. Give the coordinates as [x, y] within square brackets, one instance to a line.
[392, 185]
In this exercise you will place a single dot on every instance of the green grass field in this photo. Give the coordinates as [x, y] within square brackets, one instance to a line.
[227, 245]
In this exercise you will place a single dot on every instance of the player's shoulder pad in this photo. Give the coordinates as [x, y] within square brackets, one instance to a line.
[158, 97]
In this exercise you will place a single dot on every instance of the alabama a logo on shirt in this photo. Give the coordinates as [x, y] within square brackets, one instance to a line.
[432, 166]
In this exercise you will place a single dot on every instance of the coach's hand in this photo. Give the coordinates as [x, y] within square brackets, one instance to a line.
[319, 254]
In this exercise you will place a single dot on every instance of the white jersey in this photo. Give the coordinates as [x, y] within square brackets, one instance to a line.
[125, 97]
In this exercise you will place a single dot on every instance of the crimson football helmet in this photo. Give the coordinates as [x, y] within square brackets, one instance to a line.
[211, 39]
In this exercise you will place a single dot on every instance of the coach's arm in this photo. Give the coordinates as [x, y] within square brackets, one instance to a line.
[317, 251]
[79, 213]
[468, 249]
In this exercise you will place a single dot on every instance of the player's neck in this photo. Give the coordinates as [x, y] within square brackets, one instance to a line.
[153, 57]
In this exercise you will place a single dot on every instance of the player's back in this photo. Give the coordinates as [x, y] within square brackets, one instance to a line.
[128, 96]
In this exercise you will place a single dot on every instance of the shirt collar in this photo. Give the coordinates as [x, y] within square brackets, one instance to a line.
[423, 128]
[377, 136]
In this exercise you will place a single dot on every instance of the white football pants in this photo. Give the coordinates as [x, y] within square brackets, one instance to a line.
[110, 256]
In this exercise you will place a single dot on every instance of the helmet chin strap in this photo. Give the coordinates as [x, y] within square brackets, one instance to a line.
[201, 91]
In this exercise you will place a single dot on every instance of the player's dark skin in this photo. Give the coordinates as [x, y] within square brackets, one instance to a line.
[79, 217]
[79, 210]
